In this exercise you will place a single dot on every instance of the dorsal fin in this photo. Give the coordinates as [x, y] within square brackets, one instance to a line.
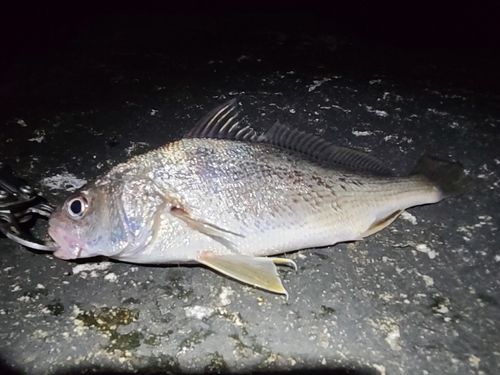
[223, 123]
[323, 151]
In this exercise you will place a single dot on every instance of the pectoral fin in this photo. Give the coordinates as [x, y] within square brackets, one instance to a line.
[221, 235]
[382, 223]
[257, 271]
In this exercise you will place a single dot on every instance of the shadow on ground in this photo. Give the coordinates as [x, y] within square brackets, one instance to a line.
[350, 370]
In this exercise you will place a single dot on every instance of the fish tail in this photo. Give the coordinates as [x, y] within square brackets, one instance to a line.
[448, 177]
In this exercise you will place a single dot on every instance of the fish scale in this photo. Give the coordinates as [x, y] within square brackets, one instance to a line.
[227, 197]
[221, 189]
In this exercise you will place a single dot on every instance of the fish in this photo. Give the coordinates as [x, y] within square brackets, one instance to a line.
[230, 198]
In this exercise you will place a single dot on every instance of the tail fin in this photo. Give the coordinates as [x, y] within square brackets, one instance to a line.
[448, 177]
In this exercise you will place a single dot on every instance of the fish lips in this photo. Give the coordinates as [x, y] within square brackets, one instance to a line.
[66, 246]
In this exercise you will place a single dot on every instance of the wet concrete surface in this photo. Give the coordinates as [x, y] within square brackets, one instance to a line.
[420, 297]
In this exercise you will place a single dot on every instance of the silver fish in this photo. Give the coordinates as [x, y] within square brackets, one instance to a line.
[228, 197]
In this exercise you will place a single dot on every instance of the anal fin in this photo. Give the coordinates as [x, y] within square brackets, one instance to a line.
[382, 223]
[260, 272]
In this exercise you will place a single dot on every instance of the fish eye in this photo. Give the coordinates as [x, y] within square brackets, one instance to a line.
[77, 207]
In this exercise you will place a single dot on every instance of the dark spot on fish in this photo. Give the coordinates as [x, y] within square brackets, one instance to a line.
[295, 178]
[179, 211]
[318, 180]
[342, 179]
[343, 187]
[202, 153]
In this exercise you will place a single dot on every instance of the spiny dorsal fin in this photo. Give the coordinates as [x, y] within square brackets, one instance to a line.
[223, 123]
[323, 151]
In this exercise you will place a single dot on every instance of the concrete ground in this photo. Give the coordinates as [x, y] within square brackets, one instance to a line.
[420, 297]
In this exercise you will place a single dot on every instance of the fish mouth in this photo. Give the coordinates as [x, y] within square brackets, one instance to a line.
[65, 246]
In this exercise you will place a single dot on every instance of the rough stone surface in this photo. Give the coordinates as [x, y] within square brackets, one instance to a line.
[420, 297]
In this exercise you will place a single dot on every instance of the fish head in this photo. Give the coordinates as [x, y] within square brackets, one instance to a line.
[87, 224]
